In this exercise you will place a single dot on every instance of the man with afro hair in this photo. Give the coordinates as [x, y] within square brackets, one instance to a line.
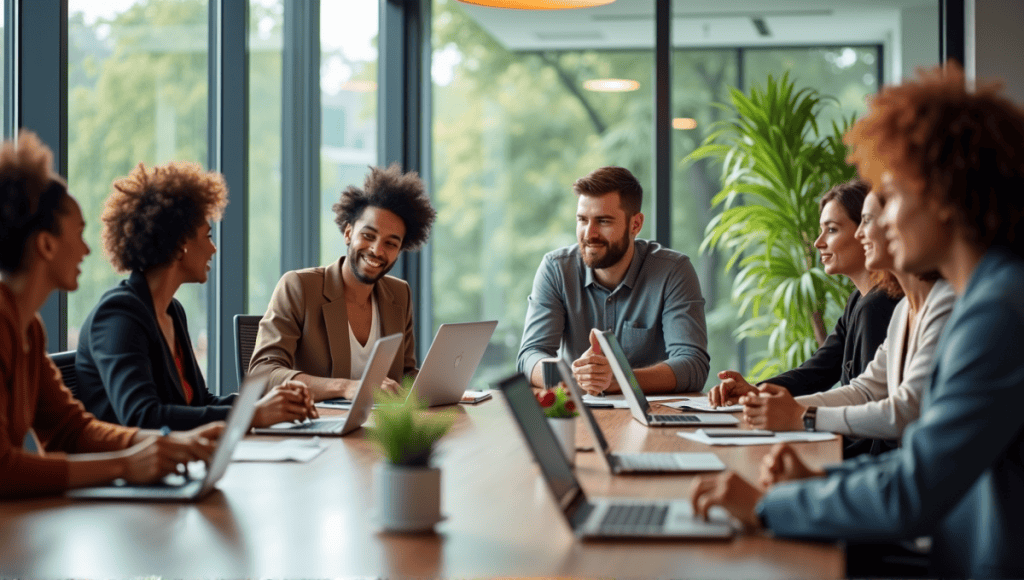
[321, 323]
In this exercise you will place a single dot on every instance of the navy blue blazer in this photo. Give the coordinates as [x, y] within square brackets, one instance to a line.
[126, 373]
[959, 475]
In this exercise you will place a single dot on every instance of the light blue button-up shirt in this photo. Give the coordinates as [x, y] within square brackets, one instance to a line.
[656, 312]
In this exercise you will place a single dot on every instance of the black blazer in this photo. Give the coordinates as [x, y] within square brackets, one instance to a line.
[126, 373]
[848, 350]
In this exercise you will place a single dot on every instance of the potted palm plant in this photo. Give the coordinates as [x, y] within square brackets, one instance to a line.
[776, 164]
[408, 487]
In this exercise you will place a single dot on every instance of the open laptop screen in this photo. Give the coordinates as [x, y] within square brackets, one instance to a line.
[541, 440]
[620, 367]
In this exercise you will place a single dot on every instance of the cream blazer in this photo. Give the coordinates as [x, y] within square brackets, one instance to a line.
[880, 403]
[305, 329]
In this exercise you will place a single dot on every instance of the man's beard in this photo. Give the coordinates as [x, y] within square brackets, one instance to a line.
[353, 257]
[614, 251]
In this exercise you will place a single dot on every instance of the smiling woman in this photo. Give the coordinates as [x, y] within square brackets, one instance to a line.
[135, 361]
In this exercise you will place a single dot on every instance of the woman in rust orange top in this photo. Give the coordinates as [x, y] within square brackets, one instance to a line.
[41, 247]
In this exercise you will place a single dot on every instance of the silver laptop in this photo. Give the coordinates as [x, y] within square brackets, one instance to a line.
[636, 399]
[605, 517]
[451, 361]
[376, 369]
[180, 487]
[620, 463]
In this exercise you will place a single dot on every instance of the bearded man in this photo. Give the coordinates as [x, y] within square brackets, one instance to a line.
[322, 323]
[647, 294]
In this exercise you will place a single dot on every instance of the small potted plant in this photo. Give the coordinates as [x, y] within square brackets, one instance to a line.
[408, 488]
[561, 413]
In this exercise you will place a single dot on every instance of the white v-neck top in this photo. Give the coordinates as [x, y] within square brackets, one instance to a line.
[361, 352]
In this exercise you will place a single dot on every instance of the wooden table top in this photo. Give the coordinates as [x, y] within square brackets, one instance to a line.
[316, 519]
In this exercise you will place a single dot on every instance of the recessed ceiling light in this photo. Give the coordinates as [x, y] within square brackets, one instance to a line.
[538, 4]
[611, 85]
[684, 123]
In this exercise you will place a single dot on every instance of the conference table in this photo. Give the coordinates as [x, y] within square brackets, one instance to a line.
[316, 519]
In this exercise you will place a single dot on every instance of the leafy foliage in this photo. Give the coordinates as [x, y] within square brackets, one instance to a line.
[775, 165]
[403, 429]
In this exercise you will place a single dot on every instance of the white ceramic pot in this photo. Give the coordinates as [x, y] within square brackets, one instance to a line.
[565, 432]
[408, 498]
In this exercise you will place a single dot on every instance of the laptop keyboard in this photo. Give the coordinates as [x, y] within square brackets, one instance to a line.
[320, 426]
[649, 462]
[676, 418]
[633, 517]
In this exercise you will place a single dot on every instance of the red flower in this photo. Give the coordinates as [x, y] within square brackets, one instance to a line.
[547, 399]
[570, 406]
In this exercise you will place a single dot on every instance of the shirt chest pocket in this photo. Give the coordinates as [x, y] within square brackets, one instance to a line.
[638, 340]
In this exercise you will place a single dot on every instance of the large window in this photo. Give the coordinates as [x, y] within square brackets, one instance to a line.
[266, 29]
[348, 104]
[137, 92]
[514, 125]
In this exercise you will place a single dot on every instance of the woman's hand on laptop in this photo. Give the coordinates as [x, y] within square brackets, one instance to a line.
[729, 491]
[289, 401]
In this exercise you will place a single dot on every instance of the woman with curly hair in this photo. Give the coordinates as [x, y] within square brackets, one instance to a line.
[946, 158]
[321, 323]
[135, 362]
[41, 247]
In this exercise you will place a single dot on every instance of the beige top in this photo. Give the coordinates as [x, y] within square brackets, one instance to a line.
[305, 329]
[886, 397]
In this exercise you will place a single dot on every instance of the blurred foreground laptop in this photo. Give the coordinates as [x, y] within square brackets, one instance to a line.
[376, 369]
[604, 517]
[620, 463]
[638, 404]
[180, 488]
[451, 361]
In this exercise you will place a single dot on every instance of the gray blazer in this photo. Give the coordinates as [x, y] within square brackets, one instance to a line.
[959, 475]
[886, 397]
[305, 329]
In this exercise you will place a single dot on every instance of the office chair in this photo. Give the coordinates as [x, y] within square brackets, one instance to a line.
[65, 362]
[246, 326]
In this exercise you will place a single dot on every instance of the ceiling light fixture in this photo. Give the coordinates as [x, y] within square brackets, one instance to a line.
[684, 123]
[611, 85]
[538, 4]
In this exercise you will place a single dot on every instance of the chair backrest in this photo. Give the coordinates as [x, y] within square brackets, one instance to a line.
[246, 327]
[65, 362]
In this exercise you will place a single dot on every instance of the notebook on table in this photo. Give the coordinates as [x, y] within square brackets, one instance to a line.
[451, 361]
[598, 518]
[182, 488]
[638, 404]
[622, 463]
[374, 373]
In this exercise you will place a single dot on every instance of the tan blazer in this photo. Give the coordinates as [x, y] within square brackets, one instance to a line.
[305, 329]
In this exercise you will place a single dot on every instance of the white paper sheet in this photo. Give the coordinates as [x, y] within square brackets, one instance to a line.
[778, 437]
[619, 401]
[701, 404]
[299, 450]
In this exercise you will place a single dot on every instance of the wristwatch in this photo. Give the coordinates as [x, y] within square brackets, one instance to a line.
[810, 418]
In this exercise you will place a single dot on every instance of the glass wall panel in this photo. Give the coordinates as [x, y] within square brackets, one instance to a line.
[137, 92]
[515, 123]
[701, 78]
[266, 21]
[348, 102]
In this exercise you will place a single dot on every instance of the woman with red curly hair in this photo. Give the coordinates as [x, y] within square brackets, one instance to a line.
[41, 247]
[947, 161]
[135, 362]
